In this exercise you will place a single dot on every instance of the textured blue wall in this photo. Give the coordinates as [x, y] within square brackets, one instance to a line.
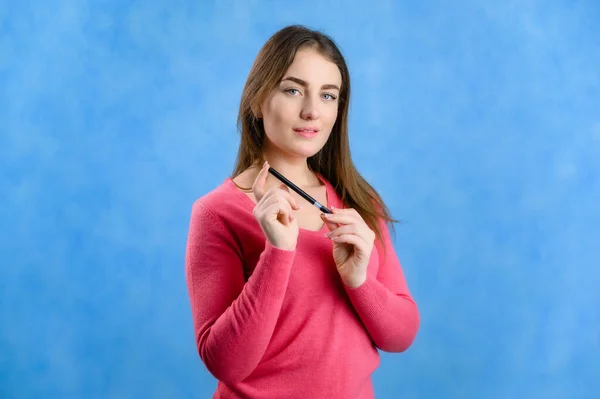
[479, 124]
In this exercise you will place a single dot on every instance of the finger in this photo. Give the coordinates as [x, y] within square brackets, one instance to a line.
[285, 214]
[330, 226]
[274, 212]
[344, 229]
[348, 211]
[364, 233]
[270, 200]
[288, 195]
[345, 210]
[351, 239]
[340, 218]
[281, 210]
[283, 191]
[258, 188]
[288, 203]
[278, 208]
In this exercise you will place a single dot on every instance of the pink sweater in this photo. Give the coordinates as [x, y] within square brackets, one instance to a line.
[271, 323]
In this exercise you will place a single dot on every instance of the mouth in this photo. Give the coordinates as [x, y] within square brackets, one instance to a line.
[307, 132]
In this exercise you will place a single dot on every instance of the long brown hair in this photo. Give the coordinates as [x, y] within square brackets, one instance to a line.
[333, 161]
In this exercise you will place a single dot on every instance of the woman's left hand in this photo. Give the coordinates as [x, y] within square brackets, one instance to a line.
[352, 244]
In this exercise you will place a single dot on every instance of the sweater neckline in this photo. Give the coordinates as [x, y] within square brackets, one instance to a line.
[251, 204]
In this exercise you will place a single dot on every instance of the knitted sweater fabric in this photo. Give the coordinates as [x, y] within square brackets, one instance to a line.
[271, 323]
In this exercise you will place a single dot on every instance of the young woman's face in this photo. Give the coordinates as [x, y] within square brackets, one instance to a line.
[299, 114]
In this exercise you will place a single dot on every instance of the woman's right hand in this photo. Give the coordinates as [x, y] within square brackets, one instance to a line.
[273, 211]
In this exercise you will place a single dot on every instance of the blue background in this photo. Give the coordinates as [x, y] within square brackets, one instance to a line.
[478, 122]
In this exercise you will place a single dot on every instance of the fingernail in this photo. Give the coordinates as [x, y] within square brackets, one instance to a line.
[327, 234]
[325, 215]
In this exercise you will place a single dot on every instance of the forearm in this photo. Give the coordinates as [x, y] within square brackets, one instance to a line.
[232, 345]
[392, 320]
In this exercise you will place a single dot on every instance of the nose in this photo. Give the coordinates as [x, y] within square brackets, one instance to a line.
[310, 109]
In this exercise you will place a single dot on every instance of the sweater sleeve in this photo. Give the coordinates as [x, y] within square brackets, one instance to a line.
[384, 303]
[233, 320]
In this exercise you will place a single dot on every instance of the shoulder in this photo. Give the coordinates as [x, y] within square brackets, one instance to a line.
[216, 220]
[223, 205]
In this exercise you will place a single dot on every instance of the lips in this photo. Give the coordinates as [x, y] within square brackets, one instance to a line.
[307, 129]
[308, 132]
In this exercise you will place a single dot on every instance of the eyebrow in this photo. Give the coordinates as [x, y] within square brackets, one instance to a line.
[303, 83]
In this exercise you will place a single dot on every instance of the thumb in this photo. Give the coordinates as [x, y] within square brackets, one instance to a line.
[258, 188]
[330, 225]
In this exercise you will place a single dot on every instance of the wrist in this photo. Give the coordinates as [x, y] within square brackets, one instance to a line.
[282, 247]
[355, 281]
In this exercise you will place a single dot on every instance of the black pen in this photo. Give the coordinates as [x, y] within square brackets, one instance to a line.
[299, 190]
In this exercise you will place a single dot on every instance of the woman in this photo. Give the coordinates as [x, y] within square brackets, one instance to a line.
[288, 303]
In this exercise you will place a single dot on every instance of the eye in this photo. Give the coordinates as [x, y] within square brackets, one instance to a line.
[331, 96]
[292, 90]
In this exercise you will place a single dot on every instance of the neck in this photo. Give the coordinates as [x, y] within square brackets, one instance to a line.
[294, 169]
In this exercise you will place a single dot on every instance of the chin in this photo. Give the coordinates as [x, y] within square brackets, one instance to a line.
[299, 148]
[306, 151]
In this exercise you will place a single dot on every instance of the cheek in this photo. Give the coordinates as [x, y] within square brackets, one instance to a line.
[331, 116]
[276, 119]
[278, 113]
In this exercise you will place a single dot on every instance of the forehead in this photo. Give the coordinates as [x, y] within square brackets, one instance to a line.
[311, 66]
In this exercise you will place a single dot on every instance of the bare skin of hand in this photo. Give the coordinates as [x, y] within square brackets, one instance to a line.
[353, 242]
[273, 212]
